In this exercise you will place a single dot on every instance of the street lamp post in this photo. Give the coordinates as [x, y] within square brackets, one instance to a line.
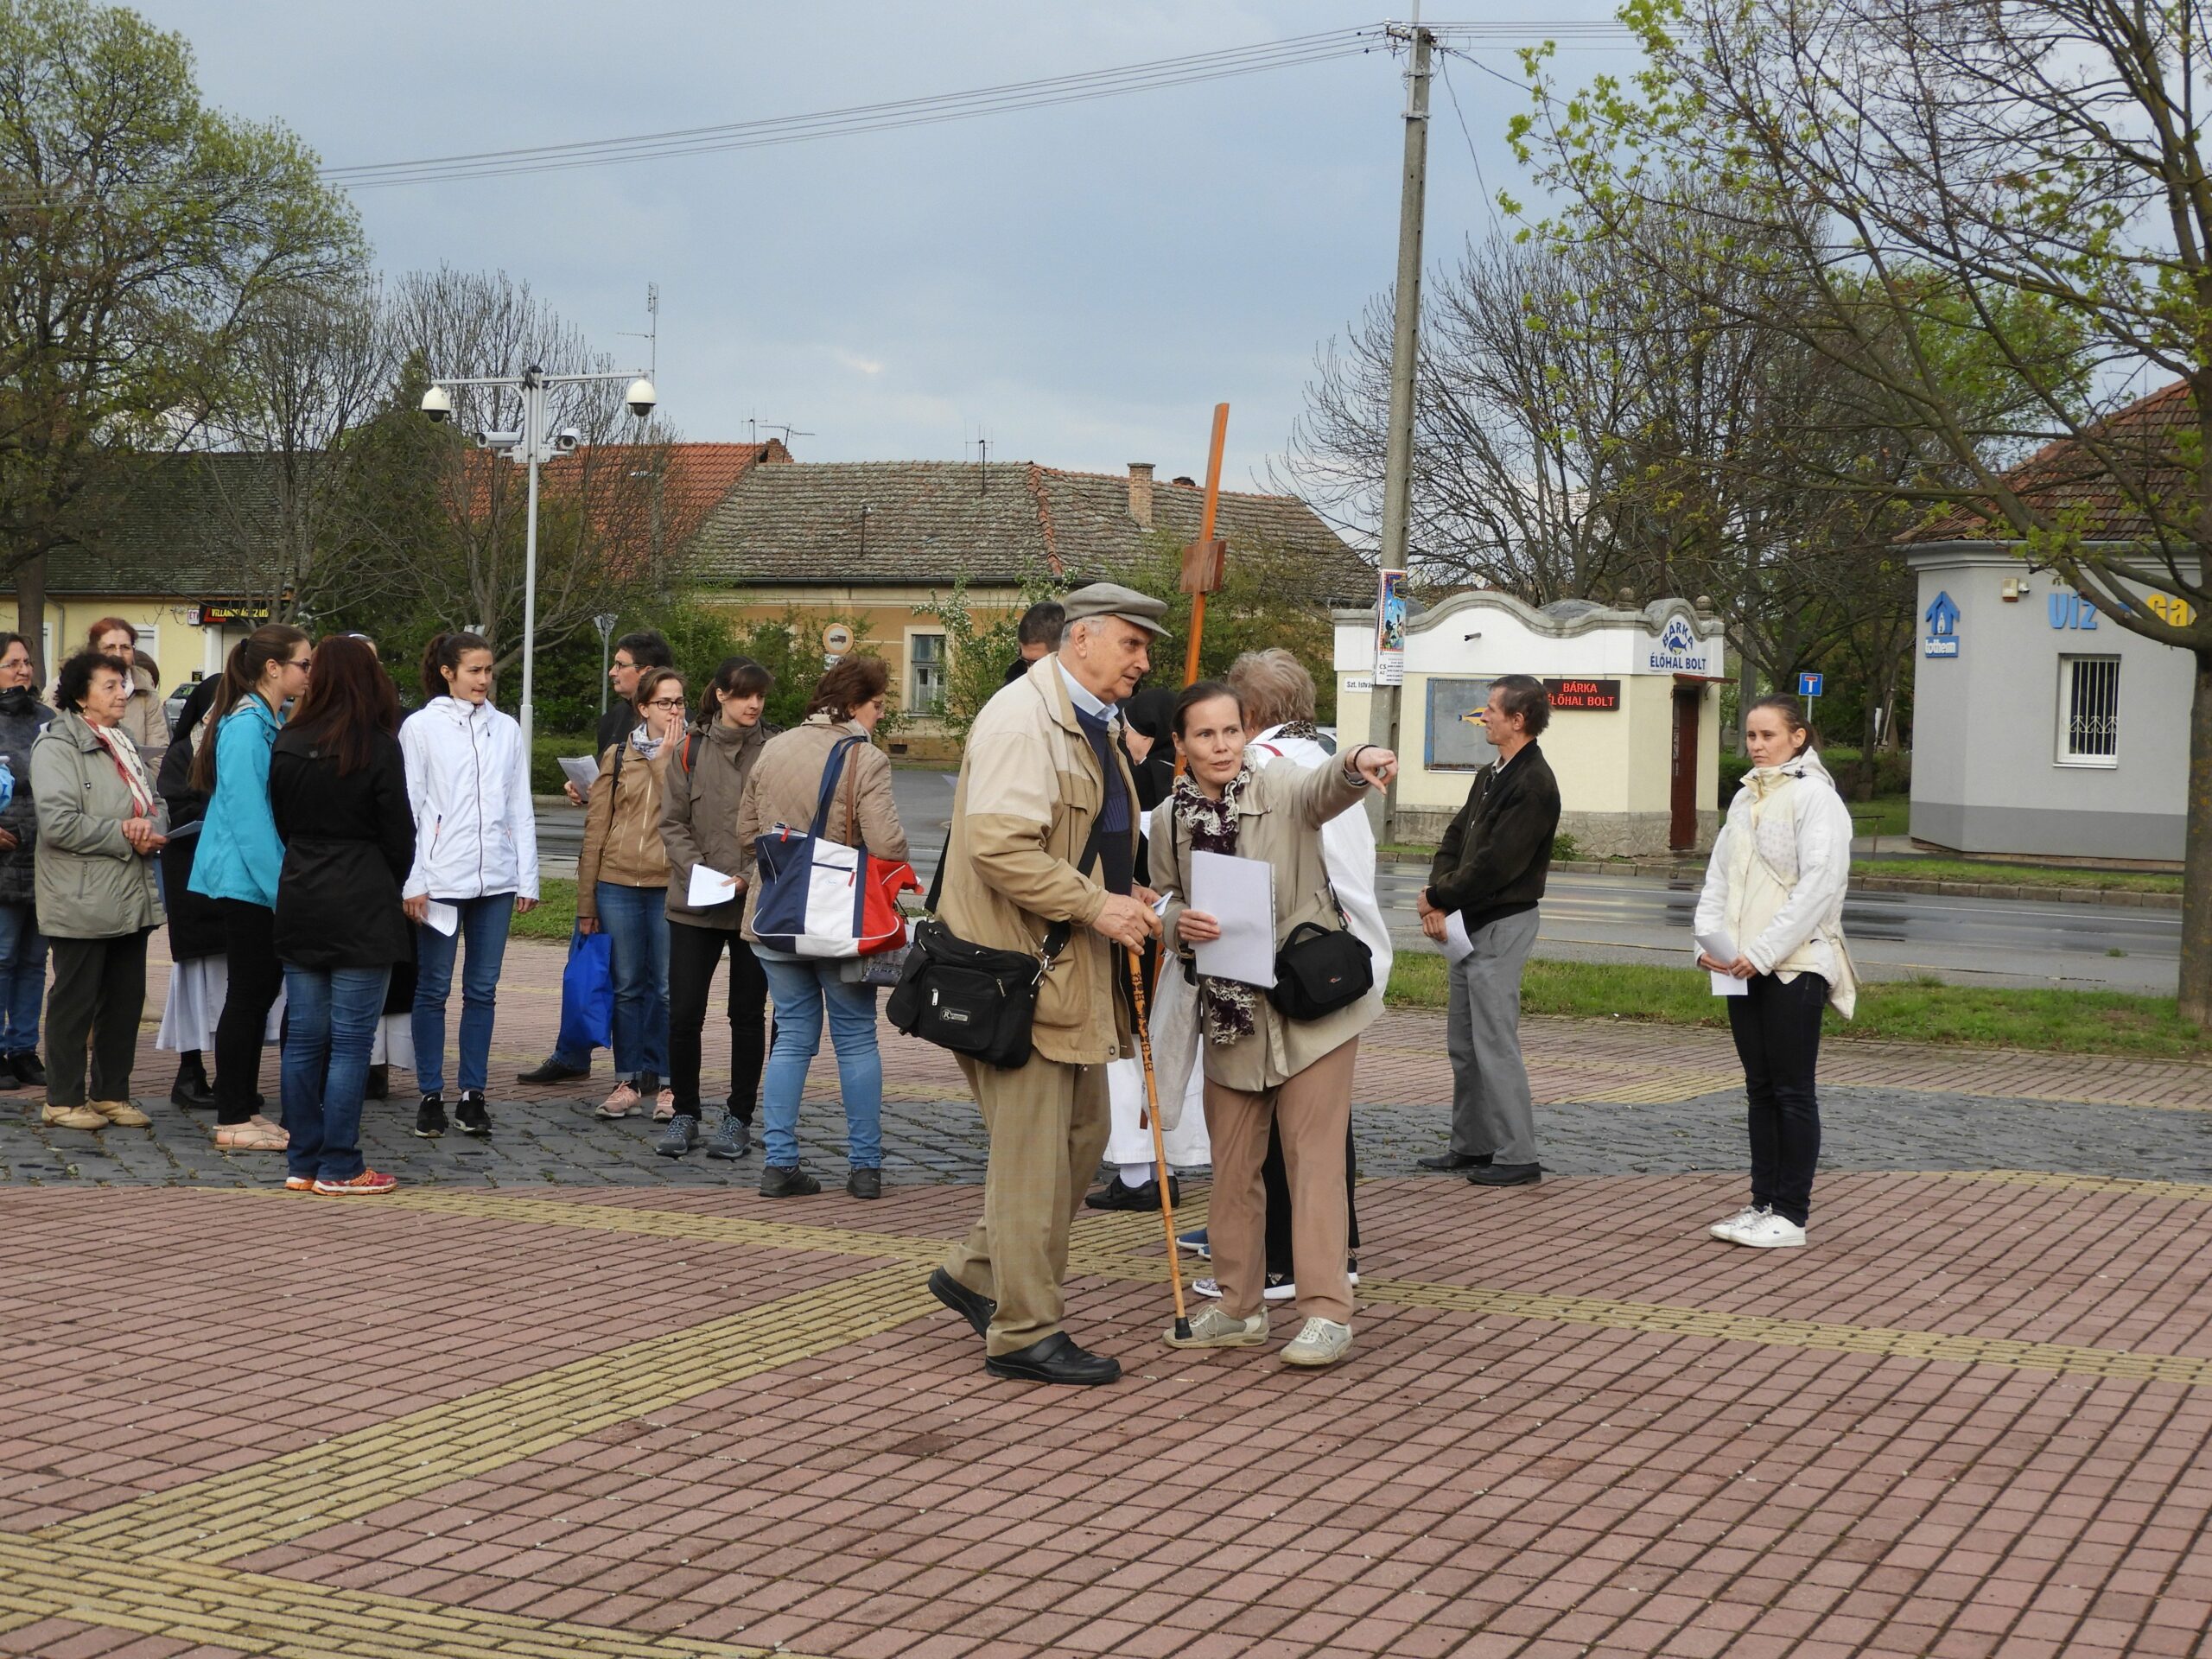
[604, 621]
[531, 447]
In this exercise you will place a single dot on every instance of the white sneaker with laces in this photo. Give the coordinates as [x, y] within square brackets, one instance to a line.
[1770, 1232]
[1215, 1327]
[1318, 1342]
[1728, 1229]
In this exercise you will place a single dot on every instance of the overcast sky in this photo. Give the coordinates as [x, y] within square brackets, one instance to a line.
[1080, 284]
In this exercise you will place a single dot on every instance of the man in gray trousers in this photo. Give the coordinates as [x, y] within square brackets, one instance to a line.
[1490, 872]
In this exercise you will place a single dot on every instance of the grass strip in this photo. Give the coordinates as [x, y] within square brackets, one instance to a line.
[2017, 875]
[1901, 1011]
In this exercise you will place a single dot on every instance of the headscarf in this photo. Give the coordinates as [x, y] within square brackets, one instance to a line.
[1229, 1008]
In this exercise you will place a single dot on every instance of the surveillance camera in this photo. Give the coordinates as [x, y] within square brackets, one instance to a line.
[566, 440]
[437, 404]
[498, 440]
[641, 398]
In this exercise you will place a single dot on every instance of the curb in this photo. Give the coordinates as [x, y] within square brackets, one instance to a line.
[2125, 900]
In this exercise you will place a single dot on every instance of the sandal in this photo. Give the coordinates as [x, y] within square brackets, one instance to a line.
[251, 1137]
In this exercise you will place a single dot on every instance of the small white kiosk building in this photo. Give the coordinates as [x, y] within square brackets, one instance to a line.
[1635, 737]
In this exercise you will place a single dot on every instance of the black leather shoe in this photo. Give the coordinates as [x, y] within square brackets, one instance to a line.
[865, 1183]
[1456, 1160]
[787, 1182]
[186, 1092]
[378, 1086]
[1506, 1175]
[27, 1068]
[1056, 1359]
[553, 1071]
[977, 1310]
[1118, 1194]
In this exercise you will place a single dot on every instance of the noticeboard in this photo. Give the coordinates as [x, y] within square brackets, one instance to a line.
[1454, 740]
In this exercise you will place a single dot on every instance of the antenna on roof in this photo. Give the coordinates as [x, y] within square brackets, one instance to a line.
[983, 461]
[787, 429]
[652, 329]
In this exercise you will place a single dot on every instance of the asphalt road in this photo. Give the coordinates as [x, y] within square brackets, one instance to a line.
[1628, 919]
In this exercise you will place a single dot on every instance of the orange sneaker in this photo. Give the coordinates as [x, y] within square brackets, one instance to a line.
[368, 1182]
[299, 1183]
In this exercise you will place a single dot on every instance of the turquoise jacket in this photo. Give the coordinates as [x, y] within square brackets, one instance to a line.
[239, 855]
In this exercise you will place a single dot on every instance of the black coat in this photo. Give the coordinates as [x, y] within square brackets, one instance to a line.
[349, 843]
[1495, 855]
[195, 925]
[23, 717]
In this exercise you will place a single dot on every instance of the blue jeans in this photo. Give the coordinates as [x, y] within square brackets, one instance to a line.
[636, 920]
[578, 1059]
[23, 977]
[330, 1022]
[800, 987]
[483, 931]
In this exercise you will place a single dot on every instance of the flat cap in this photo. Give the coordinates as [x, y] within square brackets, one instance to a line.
[1111, 599]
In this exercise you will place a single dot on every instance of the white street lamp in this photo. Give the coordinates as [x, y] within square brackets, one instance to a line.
[531, 447]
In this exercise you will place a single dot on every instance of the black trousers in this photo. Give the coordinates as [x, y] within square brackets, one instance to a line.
[692, 954]
[250, 947]
[1277, 1178]
[1777, 1031]
[99, 996]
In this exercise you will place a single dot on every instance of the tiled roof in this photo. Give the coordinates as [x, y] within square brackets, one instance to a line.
[922, 522]
[2102, 496]
[698, 476]
[173, 534]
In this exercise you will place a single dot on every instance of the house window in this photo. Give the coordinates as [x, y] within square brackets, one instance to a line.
[926, 673]
[2089, 711]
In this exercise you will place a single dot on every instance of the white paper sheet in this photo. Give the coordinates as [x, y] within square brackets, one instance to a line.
[1239, 893]
[582, 771]
[710, 887]
[1722, 948]
[444, 918]
[1456, 941]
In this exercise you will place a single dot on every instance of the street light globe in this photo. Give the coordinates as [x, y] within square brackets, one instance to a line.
[641, 398]
[437, 404]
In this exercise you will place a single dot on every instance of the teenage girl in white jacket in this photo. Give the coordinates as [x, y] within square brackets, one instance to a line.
[1774, 889]
[476, 852]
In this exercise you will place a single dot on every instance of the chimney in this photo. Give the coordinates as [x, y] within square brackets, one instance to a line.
[1141, 494]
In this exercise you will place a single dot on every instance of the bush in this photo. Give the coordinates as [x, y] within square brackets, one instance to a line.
[545, 750]
[1892, 772]
[1565, 848]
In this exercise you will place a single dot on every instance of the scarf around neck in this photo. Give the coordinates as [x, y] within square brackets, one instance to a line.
[646, 747]
[1230, 1008]
[125, 754]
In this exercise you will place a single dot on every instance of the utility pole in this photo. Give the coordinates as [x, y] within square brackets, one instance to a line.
[1398, 462]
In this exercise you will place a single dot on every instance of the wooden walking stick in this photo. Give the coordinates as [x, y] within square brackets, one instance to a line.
[1159, 1143]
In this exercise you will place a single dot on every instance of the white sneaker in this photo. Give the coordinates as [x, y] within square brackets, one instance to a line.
[1770, 1232]
[1318, 1342]
[1726, 1230]
[1214, 1327]
[1282, 1290]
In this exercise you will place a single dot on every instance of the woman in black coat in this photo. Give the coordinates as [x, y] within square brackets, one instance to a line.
[198, 973]
[338, 789]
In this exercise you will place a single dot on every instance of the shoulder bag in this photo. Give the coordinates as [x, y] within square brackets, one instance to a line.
[976, 999]
[1320, 970]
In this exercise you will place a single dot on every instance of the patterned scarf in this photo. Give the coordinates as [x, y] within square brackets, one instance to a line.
[647, 745]
[1230, 1008]
[125, 754]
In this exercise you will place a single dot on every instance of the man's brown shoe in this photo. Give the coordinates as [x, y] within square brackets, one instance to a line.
[71, 1117]
[120, 1113]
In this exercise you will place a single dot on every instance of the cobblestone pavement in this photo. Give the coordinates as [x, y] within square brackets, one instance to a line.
[557, 1397]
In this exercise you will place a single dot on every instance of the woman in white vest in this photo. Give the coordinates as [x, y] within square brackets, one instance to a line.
[1774, 895]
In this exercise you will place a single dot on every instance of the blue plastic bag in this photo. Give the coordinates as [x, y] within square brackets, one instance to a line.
[587, 994]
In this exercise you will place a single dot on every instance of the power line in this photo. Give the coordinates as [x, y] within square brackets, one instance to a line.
[939, 108]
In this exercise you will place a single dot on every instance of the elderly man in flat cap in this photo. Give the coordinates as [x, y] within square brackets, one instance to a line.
[1041, 768]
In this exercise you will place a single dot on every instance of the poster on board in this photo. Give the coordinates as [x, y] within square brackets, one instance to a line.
[1390, 629]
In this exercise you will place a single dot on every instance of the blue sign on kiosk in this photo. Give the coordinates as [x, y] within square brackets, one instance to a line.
[1942, 628]
[1809, 685]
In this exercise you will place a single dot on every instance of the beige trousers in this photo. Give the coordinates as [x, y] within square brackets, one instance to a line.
[1314, 1109]
[1048, 1124]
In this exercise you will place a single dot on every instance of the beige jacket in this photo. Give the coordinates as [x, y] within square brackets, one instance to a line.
[1029, 789]
[142, 719]
[785, 787]
[1279, 819]
[622, 839]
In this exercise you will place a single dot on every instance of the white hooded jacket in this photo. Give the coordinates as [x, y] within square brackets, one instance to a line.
[1777, 880]
[475, 832]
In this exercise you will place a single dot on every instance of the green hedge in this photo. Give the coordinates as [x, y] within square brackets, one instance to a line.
[1892, 771]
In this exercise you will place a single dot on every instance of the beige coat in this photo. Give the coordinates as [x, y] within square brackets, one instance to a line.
[1029, 789]
[698, 818]
[1279, 819]
[143, 720]
[785, 787]
[622, 839]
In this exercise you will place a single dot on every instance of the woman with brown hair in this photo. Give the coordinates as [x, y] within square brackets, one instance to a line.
[237, 862]
[786, 788]
[144, 722]
[338, 789]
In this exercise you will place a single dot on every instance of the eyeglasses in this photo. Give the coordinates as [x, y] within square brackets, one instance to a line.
[665, 702]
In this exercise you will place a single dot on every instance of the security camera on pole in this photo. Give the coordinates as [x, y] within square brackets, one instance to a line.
[531, 447]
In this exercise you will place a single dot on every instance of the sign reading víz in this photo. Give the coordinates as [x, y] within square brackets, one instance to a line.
[1584, 693]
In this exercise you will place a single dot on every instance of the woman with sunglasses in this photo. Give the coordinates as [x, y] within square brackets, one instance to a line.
[622, 887]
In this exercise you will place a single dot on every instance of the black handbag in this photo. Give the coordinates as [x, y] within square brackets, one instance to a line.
[976, 999]
[1320, 970]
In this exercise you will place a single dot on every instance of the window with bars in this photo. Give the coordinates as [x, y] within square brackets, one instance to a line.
[926, 673]
[2089, 711]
